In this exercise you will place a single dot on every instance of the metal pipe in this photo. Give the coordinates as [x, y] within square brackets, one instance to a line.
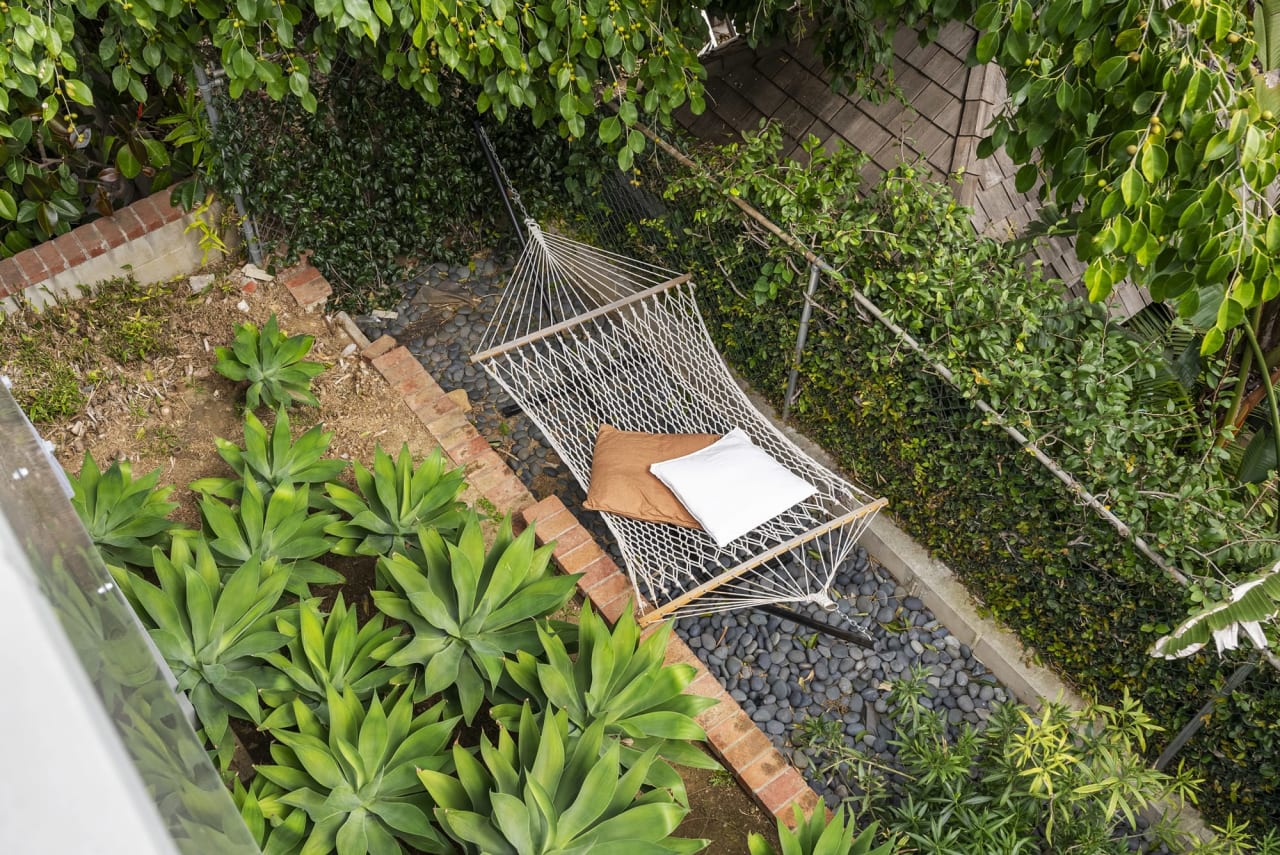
[492, 159]
[247, 227]
[1197, 721]
[860, 639]
[801, 336]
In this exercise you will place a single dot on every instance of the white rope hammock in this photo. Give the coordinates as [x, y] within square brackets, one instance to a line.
[583, 337]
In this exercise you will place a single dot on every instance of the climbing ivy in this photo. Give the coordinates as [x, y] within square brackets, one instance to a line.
[1095, 396]
[77, 76]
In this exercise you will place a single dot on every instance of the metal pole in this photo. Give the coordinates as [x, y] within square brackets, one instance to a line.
[1198, 720]
[801, 336]
[860, 639]
[247, 227]
[492, 160]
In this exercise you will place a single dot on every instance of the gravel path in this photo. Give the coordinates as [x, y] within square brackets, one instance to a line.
[795, 683]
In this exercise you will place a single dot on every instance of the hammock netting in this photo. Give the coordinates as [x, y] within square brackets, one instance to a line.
[583, 337]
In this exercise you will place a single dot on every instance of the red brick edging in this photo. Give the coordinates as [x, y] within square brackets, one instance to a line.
[743, 748]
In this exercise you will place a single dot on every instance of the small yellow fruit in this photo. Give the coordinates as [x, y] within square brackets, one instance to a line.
[1131, 149]
[1233, 38]
[1102, 182]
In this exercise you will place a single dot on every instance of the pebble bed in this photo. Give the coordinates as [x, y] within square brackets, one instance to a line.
[793, 682]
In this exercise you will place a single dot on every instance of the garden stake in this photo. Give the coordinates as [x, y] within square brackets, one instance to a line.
[801, 336]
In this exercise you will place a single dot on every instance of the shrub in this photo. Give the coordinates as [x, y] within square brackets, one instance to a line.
[354, 776]
[549, 790]
[272, 363]
[125, 517]
[1061, 372]
[467, 607]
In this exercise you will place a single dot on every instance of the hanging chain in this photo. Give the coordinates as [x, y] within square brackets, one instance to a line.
[506, 179]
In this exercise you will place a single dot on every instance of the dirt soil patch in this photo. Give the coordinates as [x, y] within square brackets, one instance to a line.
[127, 374]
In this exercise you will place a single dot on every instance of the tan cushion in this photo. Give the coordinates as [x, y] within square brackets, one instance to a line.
[620, 479]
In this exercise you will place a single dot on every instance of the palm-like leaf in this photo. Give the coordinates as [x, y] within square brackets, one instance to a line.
[125, 517]
[394, 501]
[213, 633]
[272, 459]
[467, 609]
[820, 836]
[282, 527]
[618, 680]
[1249, 606]
[354, 776]
[273, 364]
[329, 650]
[554, 791]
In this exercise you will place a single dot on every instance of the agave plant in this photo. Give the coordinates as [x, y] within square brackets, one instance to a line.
[619, 681]
[213, 633]
[820, 836]
[333, 650]
[354, 776]
[125, 516]
[277, 828]
[282, 527]
[553, 791]
[273, 459]
[467, 608]
[274, 365]
[394, 501]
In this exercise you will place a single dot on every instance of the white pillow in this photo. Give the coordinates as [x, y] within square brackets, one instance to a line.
[732, 486]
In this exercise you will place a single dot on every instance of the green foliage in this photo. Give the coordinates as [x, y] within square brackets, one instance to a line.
[854, 38]
[1252, 602]
[275, 365]
[333, 650]
[280, 527]
[394, 501]
[212, 632]
[617, 679]
[1142, 118]
[819, 836]
[272, 460]
[1061, 373]
[125, 517]
[1059, 780]
[354, 775]
[550, 790]
[85, 84]
[356, 183]
[277, 828]
[467, 607]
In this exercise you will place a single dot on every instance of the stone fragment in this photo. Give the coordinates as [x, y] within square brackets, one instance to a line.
[253, 271]
[200, 282]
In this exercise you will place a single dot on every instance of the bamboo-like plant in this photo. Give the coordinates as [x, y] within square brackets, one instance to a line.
[819, 836]
[212, 633]
[274, 365]
[354, 776]
[468, 608]
[616, 679]
[329, 650]
[553, 791]
[394, 501]
[282, 527]
[125, 516]
[272, 459]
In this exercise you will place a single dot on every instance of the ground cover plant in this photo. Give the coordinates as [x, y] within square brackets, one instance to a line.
[317, 659]
[1106, 402]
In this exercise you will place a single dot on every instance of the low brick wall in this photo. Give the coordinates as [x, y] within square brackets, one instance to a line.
[148, 239]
